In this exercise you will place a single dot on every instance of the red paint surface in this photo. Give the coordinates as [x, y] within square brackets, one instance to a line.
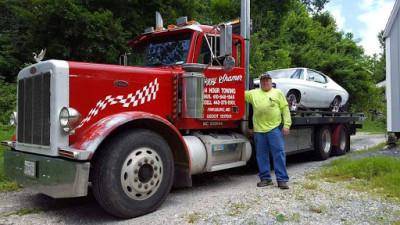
[91, 84]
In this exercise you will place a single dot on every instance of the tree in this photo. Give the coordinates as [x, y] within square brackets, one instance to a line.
[286, 33]
[315, 6]
[8, 101]
[66, 29]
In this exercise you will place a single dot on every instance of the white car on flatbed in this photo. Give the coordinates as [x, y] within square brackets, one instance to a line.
[308, 88]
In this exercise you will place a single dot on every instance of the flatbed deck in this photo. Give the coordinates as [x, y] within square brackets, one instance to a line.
[324, 117]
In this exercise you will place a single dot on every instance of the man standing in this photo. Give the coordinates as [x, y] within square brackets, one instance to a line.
[269, 106]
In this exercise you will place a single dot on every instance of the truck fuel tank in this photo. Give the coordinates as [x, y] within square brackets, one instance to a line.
[217, 151]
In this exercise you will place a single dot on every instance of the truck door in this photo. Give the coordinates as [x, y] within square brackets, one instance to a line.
[223, 90]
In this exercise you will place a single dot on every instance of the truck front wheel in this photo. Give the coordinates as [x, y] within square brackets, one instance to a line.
[133, 174]
[323, 142]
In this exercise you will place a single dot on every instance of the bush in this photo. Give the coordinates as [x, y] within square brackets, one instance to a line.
[374, 124]
[8, 100]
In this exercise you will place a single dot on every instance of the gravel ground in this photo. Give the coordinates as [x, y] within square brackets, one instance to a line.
[228, 197]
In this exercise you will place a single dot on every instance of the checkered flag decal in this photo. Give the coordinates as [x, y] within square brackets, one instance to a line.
[141, 96]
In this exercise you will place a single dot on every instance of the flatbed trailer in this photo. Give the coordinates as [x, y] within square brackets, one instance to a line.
[325, 133]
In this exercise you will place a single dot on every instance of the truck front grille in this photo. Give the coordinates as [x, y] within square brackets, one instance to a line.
[34, 110]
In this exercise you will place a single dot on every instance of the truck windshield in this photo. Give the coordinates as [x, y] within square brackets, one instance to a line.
[161, 51]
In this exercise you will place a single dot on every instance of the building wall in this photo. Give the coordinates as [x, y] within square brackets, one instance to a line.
[393, 76]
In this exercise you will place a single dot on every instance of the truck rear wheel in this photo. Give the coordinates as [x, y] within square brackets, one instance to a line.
[134, 173]
[343, 142]
[323, 142]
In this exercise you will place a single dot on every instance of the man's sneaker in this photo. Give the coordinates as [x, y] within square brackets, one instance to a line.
[264, 183]
[283, 185]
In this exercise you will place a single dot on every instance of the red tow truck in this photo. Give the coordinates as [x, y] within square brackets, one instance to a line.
[175, 108]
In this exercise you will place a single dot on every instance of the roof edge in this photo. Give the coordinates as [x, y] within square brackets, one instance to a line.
[392, 17]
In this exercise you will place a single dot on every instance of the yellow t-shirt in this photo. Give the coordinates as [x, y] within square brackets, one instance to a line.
[268, 106]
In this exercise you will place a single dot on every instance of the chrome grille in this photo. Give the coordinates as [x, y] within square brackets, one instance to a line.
[34, 110]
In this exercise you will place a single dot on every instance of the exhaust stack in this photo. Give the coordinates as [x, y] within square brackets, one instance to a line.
[245, 33]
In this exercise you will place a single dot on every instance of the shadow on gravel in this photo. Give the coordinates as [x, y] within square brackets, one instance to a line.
[73, 210]
[85, 210]
[220, 178]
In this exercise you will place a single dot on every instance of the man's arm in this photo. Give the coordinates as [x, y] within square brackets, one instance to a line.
[247, 96]
[287, 120]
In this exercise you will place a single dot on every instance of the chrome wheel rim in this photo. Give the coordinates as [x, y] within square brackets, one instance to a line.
[293, 102]
[342, 143]
[292, 98]
[141, 173]
[335, 105]
[326, 141]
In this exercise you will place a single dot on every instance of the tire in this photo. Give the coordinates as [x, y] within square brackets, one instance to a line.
[335, 105]
[323, 142]
[293, 99]
[133, 174]
[343, 142]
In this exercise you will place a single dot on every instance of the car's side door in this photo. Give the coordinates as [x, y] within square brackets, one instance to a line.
[317, 90]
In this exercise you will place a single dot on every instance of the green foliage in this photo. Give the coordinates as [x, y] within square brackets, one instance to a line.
[315, 5]
[237, 208]
[8, 100]
[286, 33]
[26, 211]
[379, 173]
[374, 125]
[321, 209]
[310, 186]
[193, 217]
[280, 218]
[65, 28]
[6, 133]
[301, 40]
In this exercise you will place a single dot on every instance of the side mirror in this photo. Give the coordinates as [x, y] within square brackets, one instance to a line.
[228, 63]
[311, 78]
[225, 40]
[225, 46]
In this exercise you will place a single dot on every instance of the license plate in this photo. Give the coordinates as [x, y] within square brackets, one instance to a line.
[30, 168]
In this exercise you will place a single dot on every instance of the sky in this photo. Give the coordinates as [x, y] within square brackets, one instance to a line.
[364, 18]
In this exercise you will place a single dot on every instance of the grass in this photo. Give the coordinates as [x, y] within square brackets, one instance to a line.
[377, 174]
[317, 209]
[26, 211]
[237, 208]
[6, 133]
[193, 217]
[310, 186]
[376, 126]
[281, 218]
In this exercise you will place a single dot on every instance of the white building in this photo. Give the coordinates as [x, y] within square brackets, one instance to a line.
[391, 36]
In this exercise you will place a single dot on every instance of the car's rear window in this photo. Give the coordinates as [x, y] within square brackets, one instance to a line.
[288, 73]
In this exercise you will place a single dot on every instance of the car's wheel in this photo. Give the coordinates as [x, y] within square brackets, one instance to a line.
[133, 174]
[335, 105]
[323, 142]
[293, 99]
[343, 142]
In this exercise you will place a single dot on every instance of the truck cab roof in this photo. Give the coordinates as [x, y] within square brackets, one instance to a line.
[142, 37]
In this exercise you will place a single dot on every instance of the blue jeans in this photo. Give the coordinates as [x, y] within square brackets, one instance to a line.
[273, 142]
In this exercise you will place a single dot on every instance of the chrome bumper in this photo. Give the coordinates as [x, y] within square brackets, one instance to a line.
[54, 177]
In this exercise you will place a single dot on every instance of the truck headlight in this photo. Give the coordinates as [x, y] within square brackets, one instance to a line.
[69, 119]
[13, 119]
